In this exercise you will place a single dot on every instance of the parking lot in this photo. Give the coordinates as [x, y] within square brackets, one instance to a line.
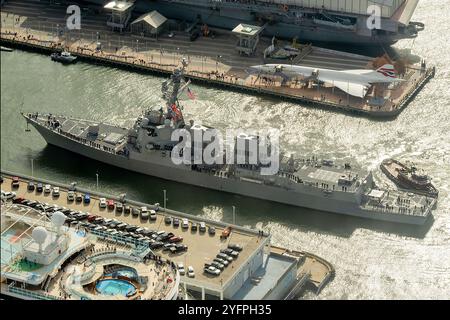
[202, 247]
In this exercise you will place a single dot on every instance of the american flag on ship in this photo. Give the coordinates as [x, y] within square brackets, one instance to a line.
[176, 113]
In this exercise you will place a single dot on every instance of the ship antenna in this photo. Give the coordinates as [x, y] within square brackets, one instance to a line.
[177, 84]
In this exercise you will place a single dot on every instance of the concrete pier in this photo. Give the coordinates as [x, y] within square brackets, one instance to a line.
[35, 25]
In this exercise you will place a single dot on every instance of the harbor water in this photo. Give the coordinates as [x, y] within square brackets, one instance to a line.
[373, 260]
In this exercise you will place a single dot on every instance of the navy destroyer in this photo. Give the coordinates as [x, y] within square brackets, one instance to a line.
[308, 20]
[146, 148]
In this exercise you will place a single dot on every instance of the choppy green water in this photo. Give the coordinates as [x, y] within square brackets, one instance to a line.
[372, 259]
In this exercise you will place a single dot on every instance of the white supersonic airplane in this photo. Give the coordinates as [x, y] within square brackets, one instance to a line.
[354, 82]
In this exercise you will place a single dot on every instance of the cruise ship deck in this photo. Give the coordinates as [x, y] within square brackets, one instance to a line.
[241, 277]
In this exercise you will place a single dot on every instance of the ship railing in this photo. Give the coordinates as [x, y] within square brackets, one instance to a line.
[31, 294]
[402, 210]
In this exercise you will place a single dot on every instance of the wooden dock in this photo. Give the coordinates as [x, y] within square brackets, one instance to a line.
[213, 62]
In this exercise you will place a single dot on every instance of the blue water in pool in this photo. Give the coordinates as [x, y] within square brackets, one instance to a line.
[115, 287]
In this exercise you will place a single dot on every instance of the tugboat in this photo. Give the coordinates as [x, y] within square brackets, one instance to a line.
[409, 177]
[63, 57]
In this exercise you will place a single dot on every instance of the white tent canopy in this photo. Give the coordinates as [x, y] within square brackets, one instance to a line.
[154, 18]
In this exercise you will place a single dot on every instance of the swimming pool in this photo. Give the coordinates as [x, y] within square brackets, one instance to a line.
[114, 287]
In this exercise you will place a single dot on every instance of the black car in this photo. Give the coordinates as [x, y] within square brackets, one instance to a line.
[194, 226]
[218, 265]
[135, 211]
[30, 186]
[181, 247]
[131, 228]
[39, 187]
[168, 220]
[194, 34]
[230, 252]
[235, 247]
[211, 230]
[126, 209]
[156, 245]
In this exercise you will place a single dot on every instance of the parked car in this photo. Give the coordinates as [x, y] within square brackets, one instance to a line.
[156, 245]
[55, 192]
[235, 247]
[218, 265]
[175, 239]
[193, 226]
[110, 204]
[176, 222]
[194, 34]
[98, 220]
[102, 203]
[70, 196]
[47, 188]
[19, 200]
[167, 246]
[126, 209]
[119, 207]
[78, 197]
[91, 218]
[30, 186]
[15, 182]
[224, 257]
[135, 211]
[121, 226]
[152, 215]
[131, 228]
[87, 198]
[9, 195]
[168, 220]
[181, 269]
[202, 227]
[39, 187]
[212, 270]
[185, 224]
[180, 247]
[222, 261]
[190, 272]
[230, 252]
[144, 213]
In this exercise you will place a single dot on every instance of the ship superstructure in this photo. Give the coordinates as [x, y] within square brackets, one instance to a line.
[309, 182]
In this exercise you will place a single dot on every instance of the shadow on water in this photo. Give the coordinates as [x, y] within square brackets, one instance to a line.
[69, 167]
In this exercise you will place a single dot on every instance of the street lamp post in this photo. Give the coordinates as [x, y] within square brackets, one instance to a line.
[165, 199]
[96, 175]
[234, 215]
[32, 169]
[217, 63]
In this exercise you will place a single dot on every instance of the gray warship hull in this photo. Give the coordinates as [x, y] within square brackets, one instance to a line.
[307, 198]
